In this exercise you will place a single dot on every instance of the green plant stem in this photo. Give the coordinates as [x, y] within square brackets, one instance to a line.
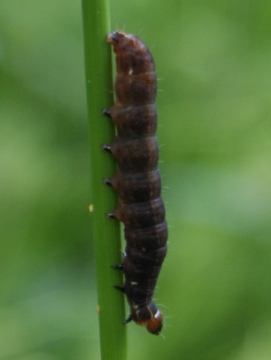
[106, 232]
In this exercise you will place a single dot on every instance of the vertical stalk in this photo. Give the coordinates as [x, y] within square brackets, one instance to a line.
[105, 232]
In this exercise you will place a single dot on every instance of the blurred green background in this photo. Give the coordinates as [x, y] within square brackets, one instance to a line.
[213, 60]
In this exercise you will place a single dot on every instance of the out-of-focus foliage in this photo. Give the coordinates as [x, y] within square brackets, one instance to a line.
[213, 59]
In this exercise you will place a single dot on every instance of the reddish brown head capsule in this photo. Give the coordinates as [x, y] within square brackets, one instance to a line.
[155, 322]
[137, 181]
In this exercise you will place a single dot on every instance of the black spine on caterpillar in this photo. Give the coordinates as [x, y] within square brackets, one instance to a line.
[137, 181]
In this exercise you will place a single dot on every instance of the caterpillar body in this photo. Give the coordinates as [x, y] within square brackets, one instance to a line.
[137, 181]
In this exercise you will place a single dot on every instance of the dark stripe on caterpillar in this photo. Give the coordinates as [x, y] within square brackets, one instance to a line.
[137, 181]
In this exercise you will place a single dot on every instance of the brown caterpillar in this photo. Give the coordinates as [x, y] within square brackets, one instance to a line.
[137, 181]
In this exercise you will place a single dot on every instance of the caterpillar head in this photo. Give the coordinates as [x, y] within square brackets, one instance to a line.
[148, 316]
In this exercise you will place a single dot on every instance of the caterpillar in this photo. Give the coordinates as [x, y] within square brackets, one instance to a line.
[137, 181]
